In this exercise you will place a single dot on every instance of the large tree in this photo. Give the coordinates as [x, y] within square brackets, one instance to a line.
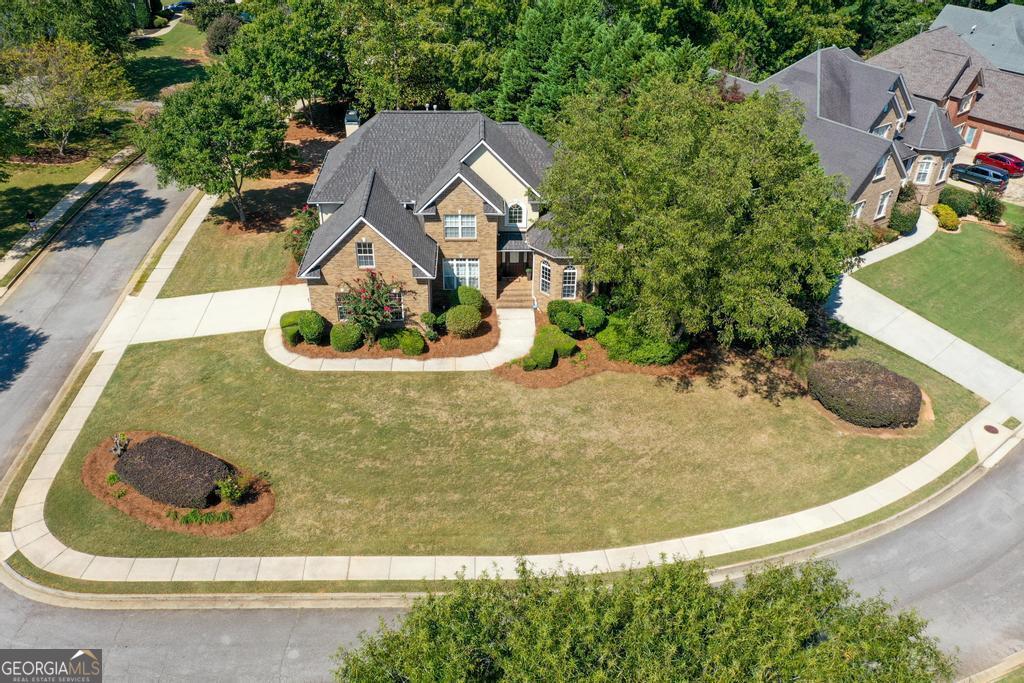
[707, 217]
[292, 51]
[65, 87]
[104, 24]
[663, 623]
[10, 139]
[215, 134]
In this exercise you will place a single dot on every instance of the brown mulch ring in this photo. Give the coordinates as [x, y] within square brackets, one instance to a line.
[100, 463]
[591, 359]
[447, 346]
[927, 415]
[45, 156]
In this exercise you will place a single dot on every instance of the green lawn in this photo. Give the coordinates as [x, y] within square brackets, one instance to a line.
[971, 284]
[1014, 214]
[466, 463]
[172, 58]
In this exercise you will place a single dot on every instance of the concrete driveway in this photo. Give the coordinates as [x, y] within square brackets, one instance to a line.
[49, 318]
[1014, 192]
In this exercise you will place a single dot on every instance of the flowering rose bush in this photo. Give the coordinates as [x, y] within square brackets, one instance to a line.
[304, 223]
[369, 303]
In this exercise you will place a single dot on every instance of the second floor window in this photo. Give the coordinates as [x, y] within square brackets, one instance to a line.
[883, 131]
[880, 168]
[924, 170]
[515, 215]
[460, 227]
[364, 255]
[545, 277]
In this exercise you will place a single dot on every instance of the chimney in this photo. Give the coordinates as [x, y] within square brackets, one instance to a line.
[351, 122]
[435, 107]
[974, 28]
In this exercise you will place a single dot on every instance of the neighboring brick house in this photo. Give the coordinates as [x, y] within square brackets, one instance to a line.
[854, 115]
[432, 200]
[984, 103]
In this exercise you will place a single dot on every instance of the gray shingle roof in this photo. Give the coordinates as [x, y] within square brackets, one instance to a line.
[1001, 100]
[999, 35]
[935, 63]
[843, 97]
[373, 203]
[930, 129]
[539, 238]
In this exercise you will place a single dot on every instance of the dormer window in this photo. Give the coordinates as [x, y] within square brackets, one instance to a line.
[882, 131]
[880, 168]
[966, 102]
[515, 215]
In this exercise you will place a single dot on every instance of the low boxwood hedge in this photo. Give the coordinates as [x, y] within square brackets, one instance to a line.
[291, 335]
[346, 337]
[550, 343]
[470, 296]
[291, 318]
[865, 393]
[958, 199]
[172, 472]
[593, 319]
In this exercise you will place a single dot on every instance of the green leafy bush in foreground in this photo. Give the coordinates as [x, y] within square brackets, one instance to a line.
[462, 320]
[958, 199]
[313, 327]
[623, 341]
[346, 337]
[550, 342]
[904, 218]
[665, 623]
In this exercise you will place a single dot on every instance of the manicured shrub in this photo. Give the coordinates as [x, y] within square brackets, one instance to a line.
[389, 342]
[291, 335]
[470, 296]
[987, 206]
[442, 319]
[411, 342]
[172, 472]
[958, 199]
[865, 393]
[462, 320]
[623, 341]
[904, 218]
[221, 32]
[593, 319]
[313, 327]
[948, 219]
[550, 343]
[346, 337]
[160, 22]
[291, 319]
[541, 357]
[567, 322]
[429, 319]
[559, 306]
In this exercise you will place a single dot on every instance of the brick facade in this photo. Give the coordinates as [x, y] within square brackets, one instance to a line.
[928, 192]
[461, 199]
[340, 268]
[558, 267]
[873, 193]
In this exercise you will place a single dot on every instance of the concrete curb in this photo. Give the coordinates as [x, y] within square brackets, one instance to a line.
[994, 673]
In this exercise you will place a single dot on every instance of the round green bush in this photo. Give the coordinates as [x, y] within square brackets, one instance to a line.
[346, 337]
[470, 296]
[567, 322]
[291, 318]
[291, 334]
[160, 22]
[221, 33]
[593, 319]
[428, 319]
[411, 342]
[389, 342]
[958, 199]
[904, 218]
[865, 393]
[948, 219]
[560, 306]
[313, 327]
[462, 320]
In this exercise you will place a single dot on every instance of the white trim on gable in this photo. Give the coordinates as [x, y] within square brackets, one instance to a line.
[500, 160]
[304, 275]
[458, 176]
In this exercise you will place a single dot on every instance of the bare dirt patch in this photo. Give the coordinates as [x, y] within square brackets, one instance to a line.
[47, 156]
[447, 346]
[100, 463]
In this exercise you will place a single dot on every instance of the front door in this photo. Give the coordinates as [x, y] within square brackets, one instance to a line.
[514, 264]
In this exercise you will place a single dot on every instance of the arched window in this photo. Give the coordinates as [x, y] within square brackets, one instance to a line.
[545, 277]
[569, 283]
[515, 214]
[924, 170]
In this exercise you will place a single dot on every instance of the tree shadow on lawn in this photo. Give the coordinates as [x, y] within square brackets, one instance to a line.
[266, 207]
[15, 201]
[150, 75]
[19, 343]
[118, 210]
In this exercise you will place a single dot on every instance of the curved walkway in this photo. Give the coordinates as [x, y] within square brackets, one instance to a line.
[857, 305]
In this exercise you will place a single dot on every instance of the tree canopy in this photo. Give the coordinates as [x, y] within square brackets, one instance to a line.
[662, 623]
[708, 217]
[103, 24]
[214, 135]
[10, 140]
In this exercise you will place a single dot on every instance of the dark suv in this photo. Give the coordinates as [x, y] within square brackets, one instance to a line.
[979, 174]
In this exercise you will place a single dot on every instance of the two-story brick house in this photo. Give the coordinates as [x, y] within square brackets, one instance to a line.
[433, 200]
[864, 124]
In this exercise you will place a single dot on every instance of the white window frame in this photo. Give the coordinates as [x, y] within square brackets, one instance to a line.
[461, 271]
[545, 277]
[362, 253]
[522, 216]
[397, 299]
[463, 225]
[882, 131]
[883, 204]
[926, 169]
[901, 115]
[967, 102]
[971, 134]
[858, 209]
[880, 167]
[567, 271]
[944, 171]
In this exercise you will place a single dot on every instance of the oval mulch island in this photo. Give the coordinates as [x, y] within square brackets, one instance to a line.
[172, 485]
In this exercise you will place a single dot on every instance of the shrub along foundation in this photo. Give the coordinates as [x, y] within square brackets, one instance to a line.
[100, 478]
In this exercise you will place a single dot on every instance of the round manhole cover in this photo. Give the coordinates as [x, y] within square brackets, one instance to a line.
[991, 429]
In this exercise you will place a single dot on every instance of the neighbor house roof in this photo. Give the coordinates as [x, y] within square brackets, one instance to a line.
[936, 63]
[1001, 100]
[999, 35]
[843, 97]
[930, 129]
[372, 203]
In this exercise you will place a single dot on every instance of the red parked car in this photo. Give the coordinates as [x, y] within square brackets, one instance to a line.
[1013, 165]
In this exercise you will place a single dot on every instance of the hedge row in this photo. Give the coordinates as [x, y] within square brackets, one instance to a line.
[549, 344]
[573, 316]
[865, 393]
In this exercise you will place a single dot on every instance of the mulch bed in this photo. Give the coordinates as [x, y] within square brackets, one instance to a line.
[447, 346]
[101, 462]
[49, 157]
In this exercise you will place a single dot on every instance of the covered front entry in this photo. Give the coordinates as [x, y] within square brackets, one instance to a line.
[514, 256]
